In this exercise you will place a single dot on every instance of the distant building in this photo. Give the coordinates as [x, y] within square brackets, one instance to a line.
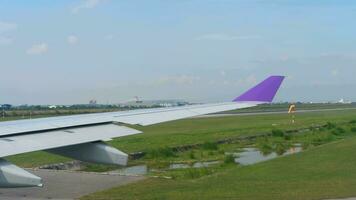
[52, 107]
[6, 106]
[342, 101]
[165, 105]
[154, 103]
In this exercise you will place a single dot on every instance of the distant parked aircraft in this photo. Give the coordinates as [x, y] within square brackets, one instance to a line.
[82, 137]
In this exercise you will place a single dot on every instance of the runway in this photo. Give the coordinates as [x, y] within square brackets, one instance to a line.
[272, 112]
[67, 185]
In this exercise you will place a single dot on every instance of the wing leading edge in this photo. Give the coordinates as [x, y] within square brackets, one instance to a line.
[80, 136]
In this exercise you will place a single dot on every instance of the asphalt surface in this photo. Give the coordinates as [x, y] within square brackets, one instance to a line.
[271, 112]
[65, 185]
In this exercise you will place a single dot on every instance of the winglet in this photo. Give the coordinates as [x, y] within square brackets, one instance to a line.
[264, 91]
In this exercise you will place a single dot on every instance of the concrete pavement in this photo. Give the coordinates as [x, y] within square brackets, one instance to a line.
[61, 185]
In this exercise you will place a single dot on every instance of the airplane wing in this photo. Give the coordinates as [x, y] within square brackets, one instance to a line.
[82, 137]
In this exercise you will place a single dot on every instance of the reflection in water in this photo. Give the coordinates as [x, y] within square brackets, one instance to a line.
[135, 170]
[143, 169]
[195, 165]
[249, 156]
[252, 155]
[179, 166]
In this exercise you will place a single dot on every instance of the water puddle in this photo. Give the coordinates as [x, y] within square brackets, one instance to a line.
[195, 165]
[144, 169]
[251, 156]
[247, 156]
[134, 170]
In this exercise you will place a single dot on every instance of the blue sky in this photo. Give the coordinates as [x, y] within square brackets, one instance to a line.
[64, 52]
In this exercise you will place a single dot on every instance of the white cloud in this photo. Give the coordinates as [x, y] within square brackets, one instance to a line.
[38, 49]
[226, 37]
[72, 39]
[86, 4]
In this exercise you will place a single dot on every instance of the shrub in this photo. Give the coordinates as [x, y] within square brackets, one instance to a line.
[306, 145]
[287, 137]
[277, 133]
[353, 121]
[353, 129]
[191, 155]
[265, 148]
[330, 125]
[163, 152]
[281, 148]
[197, 172]
[221, 151]
[323, 138]
[338, 131]
[229, 159]
[210, 146]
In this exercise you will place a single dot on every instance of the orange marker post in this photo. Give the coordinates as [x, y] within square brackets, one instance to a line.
[292, 110]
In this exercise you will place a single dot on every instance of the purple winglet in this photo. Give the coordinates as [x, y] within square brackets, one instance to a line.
[263, 92]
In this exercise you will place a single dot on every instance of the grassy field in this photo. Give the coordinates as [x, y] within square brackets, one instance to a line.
[323, 172]
[199, 130]
[299, 106]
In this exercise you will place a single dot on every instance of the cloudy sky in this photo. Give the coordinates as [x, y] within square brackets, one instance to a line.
[71, 51]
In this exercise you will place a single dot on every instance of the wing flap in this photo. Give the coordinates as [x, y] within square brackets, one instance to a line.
[52, 123]
[53, 139]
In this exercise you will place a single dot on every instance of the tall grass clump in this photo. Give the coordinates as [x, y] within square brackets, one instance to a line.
[210, 146]
[191, 155]
[229, 159]
[264, 146]
[353, 121]
[277, 133]
[193, 173]
[330, 125]
[280, 148]
[338, 131]
[164, 152]
[323, 138]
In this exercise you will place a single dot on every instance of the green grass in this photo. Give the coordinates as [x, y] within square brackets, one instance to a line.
[320, 172]
[201, 130]
[157, 138]
[324, 172]
[35, 159]
[299, 106]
